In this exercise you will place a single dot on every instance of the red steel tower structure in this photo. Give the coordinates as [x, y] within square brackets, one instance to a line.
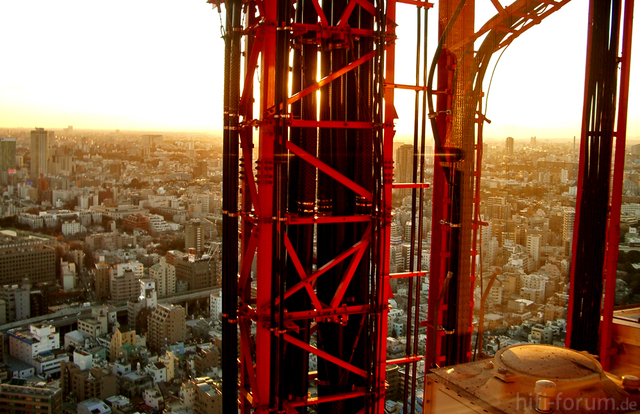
[307, 203]
[308, 177]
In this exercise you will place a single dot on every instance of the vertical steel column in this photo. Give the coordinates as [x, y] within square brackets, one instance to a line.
[344, 293]
[230, 207]
[265, 341]
[592, 201]
[616, 192]
[450, 290]
[302, 189]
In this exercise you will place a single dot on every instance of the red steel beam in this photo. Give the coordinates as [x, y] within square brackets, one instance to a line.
[329, 171]
[616, 192]
[320, 400]
[346, 278]
[325, 355]
[293, 220]
[328, 312]
[301, 123]
[264, 364]
[324, 268]
[293, 256]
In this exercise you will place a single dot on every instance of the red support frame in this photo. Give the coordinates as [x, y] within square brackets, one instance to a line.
[616, 191]
[259, 389]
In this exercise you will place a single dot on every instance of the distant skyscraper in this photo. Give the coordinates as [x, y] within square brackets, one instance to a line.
[404, 164]
[533, 141]
[428, 154]
[403, 171]
[7, 158]
[40, 141]
[509, 146]
[568, 219]
[8, 154]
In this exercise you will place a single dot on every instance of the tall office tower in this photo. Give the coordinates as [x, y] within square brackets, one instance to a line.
[101, 280]
[23, 254]
[568, 219]
[7, 154]
[534, 245]
[17, 302]
[194, 236]
[124, 286]
[7, 159]
[428, 153]
[404, 164]
[510, 146]
[40, 141]
[191, 150]
[166, 326]
[533, 141]
[569, 216]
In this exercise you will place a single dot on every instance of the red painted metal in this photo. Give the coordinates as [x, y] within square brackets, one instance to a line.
[581, 166]
[503, 22]
[407, 274]
[606, 325]
[310, 278]
[327, 79]
[259, 388]
[327, 219]
[328, 170]
[417, 3]
[325, 355]
[330, 124]
[319, 400]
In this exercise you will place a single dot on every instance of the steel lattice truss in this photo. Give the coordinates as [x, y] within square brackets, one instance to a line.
[308, 175]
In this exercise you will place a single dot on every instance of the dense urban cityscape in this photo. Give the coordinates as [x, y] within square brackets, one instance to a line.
[110, 263]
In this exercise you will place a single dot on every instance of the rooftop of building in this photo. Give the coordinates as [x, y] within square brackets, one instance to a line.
[95, 406]
[32, 387]
[15, 365]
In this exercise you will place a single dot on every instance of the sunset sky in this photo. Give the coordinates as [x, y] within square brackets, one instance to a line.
[158, 65]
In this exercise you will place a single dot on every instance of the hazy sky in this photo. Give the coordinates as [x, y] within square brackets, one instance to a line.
[157, 65]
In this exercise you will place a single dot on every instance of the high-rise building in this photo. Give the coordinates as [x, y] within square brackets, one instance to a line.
[7, 158]
[568, 218]
[125, 286]
[40, 141]
[194, 236]
[166, 326]
[510, 141]
[101, 280]
[534, 245]
[404, 164]
[24, 254]
[17, 302]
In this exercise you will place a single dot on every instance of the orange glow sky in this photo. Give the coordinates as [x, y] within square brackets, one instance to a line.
[157, 65]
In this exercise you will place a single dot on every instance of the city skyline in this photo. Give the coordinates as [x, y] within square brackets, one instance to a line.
[158, 66]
